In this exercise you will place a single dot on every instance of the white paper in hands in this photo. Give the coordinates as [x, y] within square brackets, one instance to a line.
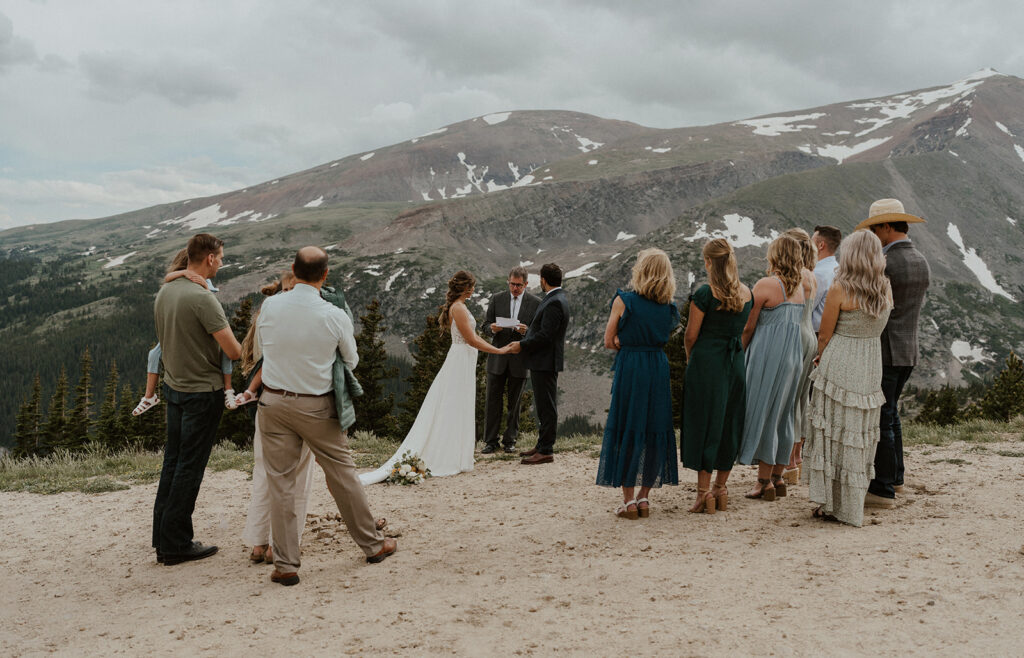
[507, 323]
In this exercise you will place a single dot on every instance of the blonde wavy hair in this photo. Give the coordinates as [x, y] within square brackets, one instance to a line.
[861, 272]
[786, 262]
[723, 276]
[653, 277]
[179, 262]
[285, 282]
[461, 282]
[807, 248]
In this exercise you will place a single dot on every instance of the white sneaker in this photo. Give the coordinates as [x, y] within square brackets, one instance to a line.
[871, 500]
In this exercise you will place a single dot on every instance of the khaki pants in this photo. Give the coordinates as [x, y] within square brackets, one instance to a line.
[286, 422]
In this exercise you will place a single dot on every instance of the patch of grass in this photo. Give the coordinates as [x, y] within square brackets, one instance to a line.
[371, 450]
[955, 461]
[972, 431]
[97, 471]
[1010, 453]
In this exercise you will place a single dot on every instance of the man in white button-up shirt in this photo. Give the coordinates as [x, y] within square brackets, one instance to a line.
[300, 334]
[826, 239]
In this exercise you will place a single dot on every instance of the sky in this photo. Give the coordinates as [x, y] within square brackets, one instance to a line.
[108, 106]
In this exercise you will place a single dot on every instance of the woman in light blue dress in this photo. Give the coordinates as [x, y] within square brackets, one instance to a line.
[774, 361]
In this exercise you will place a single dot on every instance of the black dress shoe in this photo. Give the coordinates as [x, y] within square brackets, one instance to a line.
[510, 450]
[194, 552]
[159, 557]
[489, 450]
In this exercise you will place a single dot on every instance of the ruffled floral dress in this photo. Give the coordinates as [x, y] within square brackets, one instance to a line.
[846, 400]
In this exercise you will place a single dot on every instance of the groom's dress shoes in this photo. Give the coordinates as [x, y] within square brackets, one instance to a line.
[194, 552]
[528, 453]
[489, 450]
[511, 450]
[286, 579]
[537, 458]
[389, 547]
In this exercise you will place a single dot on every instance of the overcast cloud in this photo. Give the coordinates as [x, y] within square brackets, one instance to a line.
[111, 105]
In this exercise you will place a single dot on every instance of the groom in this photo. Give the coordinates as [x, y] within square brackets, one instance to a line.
[543, 350]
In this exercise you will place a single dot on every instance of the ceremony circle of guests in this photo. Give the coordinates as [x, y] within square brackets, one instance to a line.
[798, 375]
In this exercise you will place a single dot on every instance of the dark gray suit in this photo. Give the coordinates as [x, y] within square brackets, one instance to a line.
[909, 275]
[505, 372]
[543, 350]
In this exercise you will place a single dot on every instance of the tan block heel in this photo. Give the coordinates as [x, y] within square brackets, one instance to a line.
[780, 486]
[721, 495]
[643, 512]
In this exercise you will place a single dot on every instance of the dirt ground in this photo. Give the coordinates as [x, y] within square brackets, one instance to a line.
[517, 560]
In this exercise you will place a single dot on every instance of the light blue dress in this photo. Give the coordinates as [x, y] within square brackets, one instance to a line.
[774, 362]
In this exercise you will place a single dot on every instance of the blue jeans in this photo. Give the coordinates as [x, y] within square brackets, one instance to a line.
[192, 420]
[889, 454]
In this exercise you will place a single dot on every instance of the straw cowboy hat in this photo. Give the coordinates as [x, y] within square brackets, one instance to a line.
[884, 211]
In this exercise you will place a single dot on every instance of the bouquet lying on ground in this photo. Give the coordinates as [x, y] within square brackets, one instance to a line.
[409, 469]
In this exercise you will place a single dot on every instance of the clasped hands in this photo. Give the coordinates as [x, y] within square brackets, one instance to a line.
[512, 348]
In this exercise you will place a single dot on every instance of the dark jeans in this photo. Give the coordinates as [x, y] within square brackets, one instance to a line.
[889, 454]
[496, 388]
[192, 420]
[545, 391]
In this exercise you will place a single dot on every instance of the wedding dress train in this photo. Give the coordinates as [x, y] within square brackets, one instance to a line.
[444, 433]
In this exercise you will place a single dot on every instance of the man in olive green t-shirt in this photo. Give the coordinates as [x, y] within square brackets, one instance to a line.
[192, 330]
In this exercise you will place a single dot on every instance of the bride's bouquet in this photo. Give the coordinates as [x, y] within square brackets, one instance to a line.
[409, 469]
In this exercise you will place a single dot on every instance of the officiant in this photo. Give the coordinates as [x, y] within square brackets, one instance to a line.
[509, 314]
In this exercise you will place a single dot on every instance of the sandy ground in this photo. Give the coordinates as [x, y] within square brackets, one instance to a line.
[511, 560]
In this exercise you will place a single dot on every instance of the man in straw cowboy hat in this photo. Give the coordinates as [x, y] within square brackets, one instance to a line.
[909, 275]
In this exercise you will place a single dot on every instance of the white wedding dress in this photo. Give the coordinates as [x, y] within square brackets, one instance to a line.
[444, 433]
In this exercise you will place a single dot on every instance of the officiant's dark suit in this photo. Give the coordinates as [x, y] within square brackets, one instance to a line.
[543, 350]
[506, 373]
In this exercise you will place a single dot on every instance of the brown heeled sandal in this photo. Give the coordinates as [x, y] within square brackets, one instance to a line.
[721, 494]
[780, 485]
[623, 511]
[643, 512]
[767, 492]
[705, 502]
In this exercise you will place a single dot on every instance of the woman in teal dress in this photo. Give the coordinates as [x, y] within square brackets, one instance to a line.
[714, 398]
[775, 356]
[639, 440]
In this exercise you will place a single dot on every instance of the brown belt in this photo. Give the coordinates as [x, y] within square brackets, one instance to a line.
[298, 395]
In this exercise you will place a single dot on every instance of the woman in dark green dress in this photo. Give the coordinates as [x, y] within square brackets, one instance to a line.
[639, 447]
[714, 400]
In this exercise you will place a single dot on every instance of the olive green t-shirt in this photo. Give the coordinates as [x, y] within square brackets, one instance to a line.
[186, 314]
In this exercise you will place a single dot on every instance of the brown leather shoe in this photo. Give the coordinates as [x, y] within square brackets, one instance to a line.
[528, 453]
[389, 547]
[286, 579]
[537, 458]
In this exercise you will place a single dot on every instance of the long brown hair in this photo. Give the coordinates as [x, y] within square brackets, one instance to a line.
[653, 277]
[249, 342]
[786, 262]
[807, 249]
[460, 282]
[723, 276]
[179, 262]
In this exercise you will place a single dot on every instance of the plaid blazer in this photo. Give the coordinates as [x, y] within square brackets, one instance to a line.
[909, 275]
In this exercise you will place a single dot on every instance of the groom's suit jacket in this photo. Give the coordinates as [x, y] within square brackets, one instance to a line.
[500, 306]
[909, 275]
[543, 347]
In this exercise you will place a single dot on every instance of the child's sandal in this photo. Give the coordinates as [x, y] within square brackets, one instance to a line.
[229, 399]
[145, 404]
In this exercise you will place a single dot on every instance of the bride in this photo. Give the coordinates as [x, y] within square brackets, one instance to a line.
[444, 433]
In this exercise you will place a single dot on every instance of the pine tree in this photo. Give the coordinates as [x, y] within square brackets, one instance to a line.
[1004, 399]
[940, 407]
[374, 408]
[151, 427]
[80, 417]
[675, 350]
[242, 318]
[429, 350]
[54, 432]
[108, 425]
[127, 431]
[26, 434]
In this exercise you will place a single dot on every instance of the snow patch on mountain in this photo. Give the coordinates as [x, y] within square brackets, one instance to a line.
[315, 203]
[1013, 222]
[775, 126]
[591, 162]
[975, 264]
[496, 118]
[587, 145]
[391, 279]
[200, 218]
[841, 152]
[739, 231]
[1004, 129]
[966, 353]
[1019, 150]
[366, 157]
[114, 262]
[624, 236]
[580, 271]
[962, 130]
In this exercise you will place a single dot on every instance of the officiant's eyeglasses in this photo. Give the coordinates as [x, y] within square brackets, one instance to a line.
[516, 285]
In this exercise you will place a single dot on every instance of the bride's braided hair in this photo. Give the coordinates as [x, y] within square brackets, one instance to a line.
[460, 282]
